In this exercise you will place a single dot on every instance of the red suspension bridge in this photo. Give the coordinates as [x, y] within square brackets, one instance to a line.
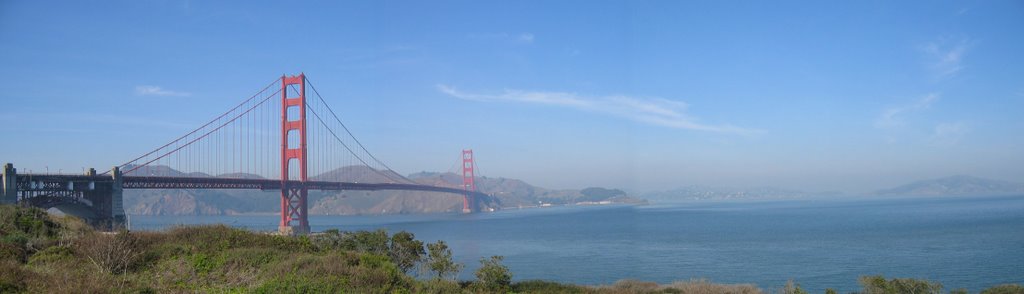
[272, 141]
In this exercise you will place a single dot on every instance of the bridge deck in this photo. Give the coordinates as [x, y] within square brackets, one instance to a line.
[58, 182]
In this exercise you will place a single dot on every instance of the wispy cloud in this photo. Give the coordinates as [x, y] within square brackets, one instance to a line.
[525, 37]
[893, 116]
[945, 57]
[950, 133]
[158, 91]
[653, 111]
[522, 38]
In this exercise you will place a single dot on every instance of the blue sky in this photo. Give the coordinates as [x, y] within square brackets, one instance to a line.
[563, 94]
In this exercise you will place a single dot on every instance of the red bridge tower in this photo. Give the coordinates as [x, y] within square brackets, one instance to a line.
[294, 214]
[468, 202]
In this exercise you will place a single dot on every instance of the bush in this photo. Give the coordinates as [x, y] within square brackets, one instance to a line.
[302, 284]
[52, 254]
[13, 251]
[215, 238]
[793, 288]
[705, 286]
[1004, 289]
[634, 286]
[441, 286]
[538, 286]
[110, 253]
[12, 276]
[24, 231]
[879, 285]
[30, 221]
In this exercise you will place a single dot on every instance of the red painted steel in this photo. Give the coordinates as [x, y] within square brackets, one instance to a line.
[293, 197]
[467, 179]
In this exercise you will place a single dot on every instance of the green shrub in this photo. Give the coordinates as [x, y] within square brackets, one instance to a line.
[14, 251]
[879, 285]
[302, 284]
[252, 257]
[634, 286]
[1004, 289]
[203, 263]
[30, 221]
[705, 286]
[539, 286]
[12, 276]
[441, 286]
[52, 254]
[378, 272]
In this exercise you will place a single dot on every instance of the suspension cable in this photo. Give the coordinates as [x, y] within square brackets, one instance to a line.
[201, 127]
[353, 136]
[206, 134]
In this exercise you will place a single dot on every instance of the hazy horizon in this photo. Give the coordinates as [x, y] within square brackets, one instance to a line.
[850, 97]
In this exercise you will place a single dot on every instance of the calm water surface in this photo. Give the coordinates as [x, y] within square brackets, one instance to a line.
[972, 243]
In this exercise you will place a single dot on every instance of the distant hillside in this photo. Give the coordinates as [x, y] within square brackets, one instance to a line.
[196, 202]
[955, 185]
[692, 193]
[506, 193]
[516, 193]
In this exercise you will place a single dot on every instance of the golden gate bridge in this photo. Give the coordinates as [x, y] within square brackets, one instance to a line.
[272, 141]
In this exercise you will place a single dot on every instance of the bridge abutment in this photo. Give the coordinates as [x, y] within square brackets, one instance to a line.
[10, 188]
[116, 208]
[107, 202]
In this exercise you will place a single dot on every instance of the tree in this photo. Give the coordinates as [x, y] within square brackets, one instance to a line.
[439, 261]
[405, 251]
[492, 275]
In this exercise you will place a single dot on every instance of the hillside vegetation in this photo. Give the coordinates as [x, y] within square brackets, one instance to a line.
[41, 253]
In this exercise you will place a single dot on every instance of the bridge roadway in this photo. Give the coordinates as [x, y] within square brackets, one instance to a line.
[50, 182]
[102, 195]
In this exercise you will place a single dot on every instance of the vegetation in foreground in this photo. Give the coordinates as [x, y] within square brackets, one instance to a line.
[40, 253]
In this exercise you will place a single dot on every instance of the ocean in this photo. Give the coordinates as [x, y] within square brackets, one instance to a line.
[962, 242]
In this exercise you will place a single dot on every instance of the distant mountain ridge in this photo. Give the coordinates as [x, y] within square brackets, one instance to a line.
[699, 193]
[959, 185]
[953, 186]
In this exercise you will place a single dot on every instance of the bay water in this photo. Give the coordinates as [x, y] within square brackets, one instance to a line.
[962, 242]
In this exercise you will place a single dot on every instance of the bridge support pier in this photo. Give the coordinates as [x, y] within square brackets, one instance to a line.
[107, 202]
[10, 188]
[117, 216]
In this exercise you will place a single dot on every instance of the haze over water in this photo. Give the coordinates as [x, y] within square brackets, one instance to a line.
[965, 242]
